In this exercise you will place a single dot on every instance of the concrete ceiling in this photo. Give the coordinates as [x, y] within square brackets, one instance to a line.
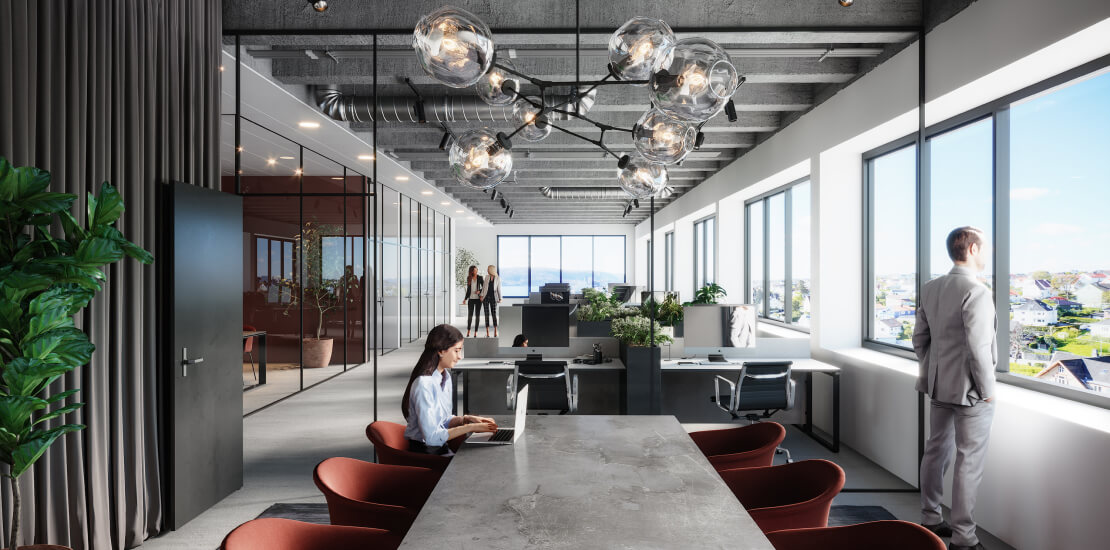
[792, 52]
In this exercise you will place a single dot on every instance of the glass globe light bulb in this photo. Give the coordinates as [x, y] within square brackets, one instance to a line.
[662, 138]
[453, 46]
[491, 87]
[525, 114]
[641, 178]
[320, 6]
[637, 47]
[694, 81]
[474, 165]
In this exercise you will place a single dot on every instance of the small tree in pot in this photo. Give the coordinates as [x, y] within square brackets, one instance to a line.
[44, 282]
[322, 295]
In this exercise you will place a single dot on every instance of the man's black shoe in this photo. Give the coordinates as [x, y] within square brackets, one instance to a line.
[941, 529]
[978, 546]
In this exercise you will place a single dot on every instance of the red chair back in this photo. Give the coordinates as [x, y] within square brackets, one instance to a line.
[741, 447]
[790, 496]
[286, 534]
[248, 342]
[874, 535]
[392, 447]
[365, 494]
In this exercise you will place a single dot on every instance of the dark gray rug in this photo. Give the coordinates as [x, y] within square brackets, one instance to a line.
[318, 513]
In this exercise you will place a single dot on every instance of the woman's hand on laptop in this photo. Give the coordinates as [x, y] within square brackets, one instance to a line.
[482, 427]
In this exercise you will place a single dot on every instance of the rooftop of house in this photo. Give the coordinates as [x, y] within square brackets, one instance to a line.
[1088, 370]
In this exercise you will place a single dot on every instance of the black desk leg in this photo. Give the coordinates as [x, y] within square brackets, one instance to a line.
[807, 428]
[261, 359]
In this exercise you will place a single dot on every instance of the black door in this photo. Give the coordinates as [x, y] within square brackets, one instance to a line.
[202, 347]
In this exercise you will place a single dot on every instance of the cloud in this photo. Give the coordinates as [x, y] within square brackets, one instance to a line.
[1028, 193]
[1058, 229]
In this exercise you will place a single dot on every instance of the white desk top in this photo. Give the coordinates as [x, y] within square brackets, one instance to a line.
[801, 364]
[508, 363]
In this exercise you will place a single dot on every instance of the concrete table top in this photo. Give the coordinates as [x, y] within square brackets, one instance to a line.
[577, 482]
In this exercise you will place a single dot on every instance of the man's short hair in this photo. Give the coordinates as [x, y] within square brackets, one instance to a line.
[961, 239]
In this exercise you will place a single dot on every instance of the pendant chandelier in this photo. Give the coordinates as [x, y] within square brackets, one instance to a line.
[688, 82]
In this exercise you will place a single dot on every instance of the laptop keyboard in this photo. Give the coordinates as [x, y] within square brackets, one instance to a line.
[502, 435]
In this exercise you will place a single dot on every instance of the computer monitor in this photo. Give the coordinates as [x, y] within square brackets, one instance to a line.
[714, 328]
[546, 326]
[622, 292]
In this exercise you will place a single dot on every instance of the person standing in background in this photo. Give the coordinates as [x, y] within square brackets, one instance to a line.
[473, 299]
[491, 296]
[955, 342]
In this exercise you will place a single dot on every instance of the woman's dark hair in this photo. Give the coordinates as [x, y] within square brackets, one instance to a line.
[441, 338]
[471, 274]
[519, 341]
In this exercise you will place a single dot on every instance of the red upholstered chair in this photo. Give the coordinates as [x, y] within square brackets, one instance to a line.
[248, 348]
[790, 496]
[873, 535]
[286, 534]
[742, 447]
[365, 494]
[392, 447]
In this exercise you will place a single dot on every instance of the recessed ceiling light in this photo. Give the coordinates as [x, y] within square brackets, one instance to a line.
[221, 68]
[470, 217]
[337, 178]
[401, 178]
[366, 157]
[271, 162]
[297, 172]
[286, 158]
[444, 203]
[308, 124]
[239, 148]
[396, 203]
[414, 211]
[425, 192]
[458, 211]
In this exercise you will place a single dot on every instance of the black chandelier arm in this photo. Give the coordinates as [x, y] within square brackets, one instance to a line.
[576, 83]
[599, 125]
[596, 142]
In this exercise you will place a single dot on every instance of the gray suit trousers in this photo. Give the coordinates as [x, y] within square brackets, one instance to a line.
[963, 431]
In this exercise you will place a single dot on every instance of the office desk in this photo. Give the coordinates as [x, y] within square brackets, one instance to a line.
[806, 365]
[585, 482]
[507, 364]
[261, 335]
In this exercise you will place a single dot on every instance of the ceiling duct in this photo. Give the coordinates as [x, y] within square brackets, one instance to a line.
[594, 193]
[443, 108]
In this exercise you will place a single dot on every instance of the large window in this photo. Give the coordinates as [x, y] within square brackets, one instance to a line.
[668, 261]
[529, 262]
[777, 248]
[705, 252]
[892, 259]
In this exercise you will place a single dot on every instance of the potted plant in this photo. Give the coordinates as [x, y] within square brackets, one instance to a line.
[44, 281]
[708, 294]
[668, 313]
[595, 313]
[642, 360]
[320, 294]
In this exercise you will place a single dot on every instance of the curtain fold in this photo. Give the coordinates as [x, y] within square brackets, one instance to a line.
[124, 91]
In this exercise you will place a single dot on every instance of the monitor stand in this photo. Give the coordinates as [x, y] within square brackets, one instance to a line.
[717, 358]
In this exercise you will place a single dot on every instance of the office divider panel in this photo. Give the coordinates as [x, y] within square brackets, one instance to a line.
[389, 297]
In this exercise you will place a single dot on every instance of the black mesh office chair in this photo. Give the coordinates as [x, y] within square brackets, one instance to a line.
[762, 385]
[551, 386]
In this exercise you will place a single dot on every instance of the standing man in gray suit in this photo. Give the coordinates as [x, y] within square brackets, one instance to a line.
[954, 339]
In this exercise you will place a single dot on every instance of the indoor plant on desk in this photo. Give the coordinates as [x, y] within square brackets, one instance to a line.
[595, 313]
[642, 360]
[44, 281]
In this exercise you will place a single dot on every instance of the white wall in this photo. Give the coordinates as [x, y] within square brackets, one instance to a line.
[1044, 485]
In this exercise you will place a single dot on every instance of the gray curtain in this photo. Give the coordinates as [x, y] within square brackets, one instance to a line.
[124, 91]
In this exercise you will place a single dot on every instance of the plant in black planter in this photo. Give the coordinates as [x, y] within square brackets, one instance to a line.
[44, 281]
[642, 361]
[596, 312]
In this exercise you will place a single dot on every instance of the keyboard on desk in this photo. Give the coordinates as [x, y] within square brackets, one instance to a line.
[504, 434]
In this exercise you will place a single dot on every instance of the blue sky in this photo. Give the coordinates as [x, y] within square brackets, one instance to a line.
[1060, 185]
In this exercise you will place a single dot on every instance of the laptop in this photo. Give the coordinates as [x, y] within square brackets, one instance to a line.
[506, 436]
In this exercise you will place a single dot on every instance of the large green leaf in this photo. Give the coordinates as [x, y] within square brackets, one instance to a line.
[19, 183]
[61, 396]
[16, 410]
[131, 249]
[98, 251]
[18, 284]
[26, 376]
[107, 208]
[48, 203]
[29, 451]
[66, 346]
[61, 411]
[73, 230]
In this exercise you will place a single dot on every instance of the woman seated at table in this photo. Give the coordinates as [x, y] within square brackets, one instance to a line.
[428, 397]
[520, 341]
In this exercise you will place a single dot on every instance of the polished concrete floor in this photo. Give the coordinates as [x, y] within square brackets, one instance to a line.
[284, 442]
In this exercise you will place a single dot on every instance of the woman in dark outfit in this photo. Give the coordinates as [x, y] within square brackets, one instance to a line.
[428, 397]
[491, 296]
[473, 299]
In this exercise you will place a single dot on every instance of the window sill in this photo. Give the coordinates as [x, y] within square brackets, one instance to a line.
[869, 357]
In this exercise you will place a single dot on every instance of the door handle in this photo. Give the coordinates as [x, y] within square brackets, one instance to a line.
[185, 361]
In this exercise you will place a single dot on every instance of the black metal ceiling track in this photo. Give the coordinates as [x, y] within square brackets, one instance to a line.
[915, 29]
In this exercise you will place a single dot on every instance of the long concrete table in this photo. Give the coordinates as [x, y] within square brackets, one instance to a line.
[577, 482]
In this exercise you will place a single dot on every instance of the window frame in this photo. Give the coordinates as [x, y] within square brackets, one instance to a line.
[998, 110]
[787, 191]
[668, 261]
[593, 266]
[700, 225]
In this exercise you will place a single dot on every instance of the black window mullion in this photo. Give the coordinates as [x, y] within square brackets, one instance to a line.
[788, 237]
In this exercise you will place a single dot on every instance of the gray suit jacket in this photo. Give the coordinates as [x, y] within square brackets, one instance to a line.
[955, 339]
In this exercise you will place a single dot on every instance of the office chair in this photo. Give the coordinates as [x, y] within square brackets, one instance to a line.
[365, 494]
[551, 386]
[248, 348]
[392, 447]
[760, 385]
[873, 535]
[789, 496]
[287, 534]
[740, 447]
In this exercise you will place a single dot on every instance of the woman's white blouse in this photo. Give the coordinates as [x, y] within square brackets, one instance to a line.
[430, 409]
